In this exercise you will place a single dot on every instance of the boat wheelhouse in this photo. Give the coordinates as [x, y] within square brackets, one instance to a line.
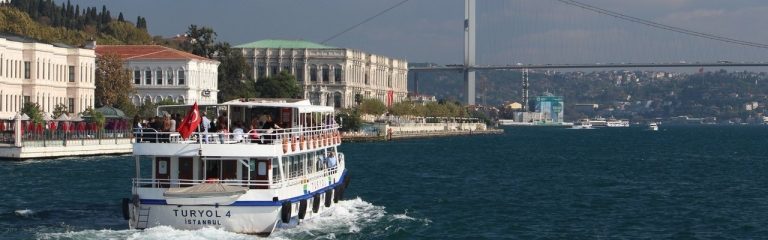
[244, 180]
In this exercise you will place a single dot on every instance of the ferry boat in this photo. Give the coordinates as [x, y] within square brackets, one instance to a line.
[653, 126]
[582, 124]
[246, 181]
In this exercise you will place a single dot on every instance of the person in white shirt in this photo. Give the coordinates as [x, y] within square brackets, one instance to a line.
[238, 132]
[206, 124]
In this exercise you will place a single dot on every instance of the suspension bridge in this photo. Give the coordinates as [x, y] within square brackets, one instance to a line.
[470, 65]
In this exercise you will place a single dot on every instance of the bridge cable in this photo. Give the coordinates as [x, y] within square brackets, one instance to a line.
[662, 26]
[364, 21]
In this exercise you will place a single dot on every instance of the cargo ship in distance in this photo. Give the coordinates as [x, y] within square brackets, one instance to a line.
[245, 180]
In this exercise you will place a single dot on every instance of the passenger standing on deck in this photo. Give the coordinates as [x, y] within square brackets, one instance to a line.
[206, 124]
[173, 124]
[331, 160]
[238, 132]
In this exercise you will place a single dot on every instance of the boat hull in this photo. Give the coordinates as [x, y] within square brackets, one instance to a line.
[240, 219]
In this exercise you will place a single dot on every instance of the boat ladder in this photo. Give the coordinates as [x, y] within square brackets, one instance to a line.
[143, 218]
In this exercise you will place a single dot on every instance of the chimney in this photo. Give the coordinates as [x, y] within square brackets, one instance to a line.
[90, 44]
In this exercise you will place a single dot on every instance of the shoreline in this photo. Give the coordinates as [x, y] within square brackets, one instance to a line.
[413, 135]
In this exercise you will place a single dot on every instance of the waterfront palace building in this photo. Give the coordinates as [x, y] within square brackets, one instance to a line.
[47, 74]
[330, 76]
[160, 73]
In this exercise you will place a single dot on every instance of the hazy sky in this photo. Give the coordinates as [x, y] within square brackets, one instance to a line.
[509, 31]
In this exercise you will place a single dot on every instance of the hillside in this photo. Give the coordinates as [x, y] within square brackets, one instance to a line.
[15, 21]
[627, 94]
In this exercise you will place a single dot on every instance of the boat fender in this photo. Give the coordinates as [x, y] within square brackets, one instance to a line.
[328, 198]
[346, 181]
[337, 194]
[316, 203]
[285, 212]
[126, 209]
[341, 191]
[302, 208]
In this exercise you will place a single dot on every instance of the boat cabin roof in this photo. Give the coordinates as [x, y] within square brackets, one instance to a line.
[302, 105]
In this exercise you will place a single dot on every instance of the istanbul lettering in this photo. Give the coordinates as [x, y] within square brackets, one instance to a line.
[200, 217]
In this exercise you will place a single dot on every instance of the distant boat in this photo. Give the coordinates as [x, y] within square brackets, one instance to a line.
[653, 126]
[582, 124]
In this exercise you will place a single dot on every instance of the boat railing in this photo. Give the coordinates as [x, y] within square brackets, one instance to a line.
[253, 184]
[293, 138]
[169, 183]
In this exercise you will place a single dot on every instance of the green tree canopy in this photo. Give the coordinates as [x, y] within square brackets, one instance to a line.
[32, 109]
[235, 79]
[372, 106]
[113, 82]
[284, 85]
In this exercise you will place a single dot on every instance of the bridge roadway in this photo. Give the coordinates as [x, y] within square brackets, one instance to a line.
[596, 65]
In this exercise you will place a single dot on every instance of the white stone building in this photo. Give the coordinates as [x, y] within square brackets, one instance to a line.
[31, 71]
[162, 73]
[330, 76]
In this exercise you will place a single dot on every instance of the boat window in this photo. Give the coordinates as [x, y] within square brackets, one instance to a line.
[275, 170]
[262, 169]
[212, 169]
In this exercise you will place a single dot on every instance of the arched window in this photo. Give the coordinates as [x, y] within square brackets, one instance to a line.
[299, 72]
[170, 76]
[337, 100]
[313, 73]
[136, 100]
[182, 77]
[148, 77]
[159, 76]
[337, 73]
[326, 73]
[182, 100]
[158, 99]
[136, 76]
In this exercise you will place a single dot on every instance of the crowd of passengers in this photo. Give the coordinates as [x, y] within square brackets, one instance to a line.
[261, 129]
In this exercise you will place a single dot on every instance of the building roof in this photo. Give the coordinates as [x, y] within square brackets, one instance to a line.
[147, 52]
[277, 43]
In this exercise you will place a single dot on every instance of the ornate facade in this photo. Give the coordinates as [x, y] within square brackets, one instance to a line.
[160, 73]
[330, 76]
[46, 74]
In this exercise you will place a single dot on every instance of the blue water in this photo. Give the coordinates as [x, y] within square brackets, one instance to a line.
[529, 183]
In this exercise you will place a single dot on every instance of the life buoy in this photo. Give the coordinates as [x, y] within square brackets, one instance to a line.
[303, 144]
[328, 198]
[302, 208]
[316, 203]
[285, 145]
[126, 208]
[285, 212]
[293, 146]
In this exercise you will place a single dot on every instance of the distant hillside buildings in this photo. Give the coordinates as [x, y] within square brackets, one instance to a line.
[161, 73]
[46, 74]
[330, 76]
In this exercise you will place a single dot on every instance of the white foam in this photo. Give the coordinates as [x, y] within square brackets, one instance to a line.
[345, 217]
[24, 212]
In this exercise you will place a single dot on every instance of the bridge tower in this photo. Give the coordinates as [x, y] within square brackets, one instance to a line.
[525, 90]
[469, 50]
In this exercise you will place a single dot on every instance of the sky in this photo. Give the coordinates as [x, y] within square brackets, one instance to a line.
[508, 31]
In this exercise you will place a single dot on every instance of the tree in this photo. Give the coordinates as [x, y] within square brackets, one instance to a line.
[284, 85]
[201, 41]
[235, 79]
[349, 119]
[113, 82]
[120, 17]
[32, 109]
[372, 106]
[59, 110]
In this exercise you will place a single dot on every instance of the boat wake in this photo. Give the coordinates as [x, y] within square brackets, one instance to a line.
[348, 218]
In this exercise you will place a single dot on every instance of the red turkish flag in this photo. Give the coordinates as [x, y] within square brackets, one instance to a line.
[190, 122]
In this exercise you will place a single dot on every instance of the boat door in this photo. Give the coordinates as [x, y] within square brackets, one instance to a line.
[162, 171]
[186, 170]
[260, 173]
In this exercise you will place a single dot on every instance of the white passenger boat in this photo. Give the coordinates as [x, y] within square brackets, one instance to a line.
[245, 182]
[582, 124]
[653, 126]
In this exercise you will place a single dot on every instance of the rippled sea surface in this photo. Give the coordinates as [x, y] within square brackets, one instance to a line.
[528, 183]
